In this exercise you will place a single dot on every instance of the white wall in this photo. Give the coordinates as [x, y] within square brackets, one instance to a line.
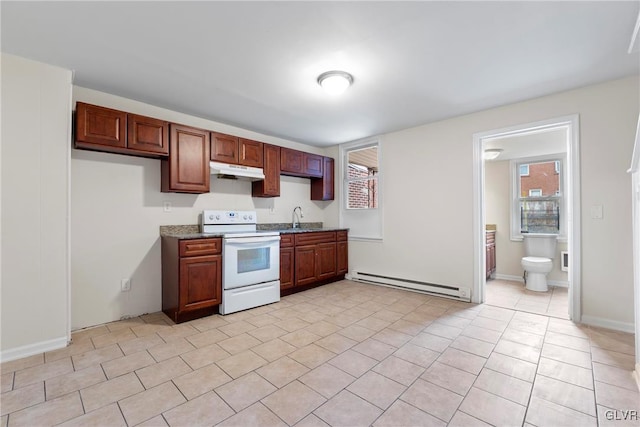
[428, 199]
[36, 101]
[497, 191]
[117, 208]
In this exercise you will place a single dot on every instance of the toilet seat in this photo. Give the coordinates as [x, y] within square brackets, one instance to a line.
[536, 260]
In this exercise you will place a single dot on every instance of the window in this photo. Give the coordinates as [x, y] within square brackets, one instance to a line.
[538, 197]
[362, 178]
[361, 189]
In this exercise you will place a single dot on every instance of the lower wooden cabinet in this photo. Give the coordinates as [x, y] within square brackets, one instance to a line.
[491, 253]
[191, 277]
[287, 256]
[312, 258]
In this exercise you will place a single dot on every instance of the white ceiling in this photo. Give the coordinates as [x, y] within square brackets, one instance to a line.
[540, 143]
[255, 64]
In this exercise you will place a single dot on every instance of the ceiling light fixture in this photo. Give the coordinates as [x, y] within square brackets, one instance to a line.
[335, 82]
[492, 153]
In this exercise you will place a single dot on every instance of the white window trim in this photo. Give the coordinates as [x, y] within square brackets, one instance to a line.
[520, 171]
[537, 190]
[374, 235]
[516, 235]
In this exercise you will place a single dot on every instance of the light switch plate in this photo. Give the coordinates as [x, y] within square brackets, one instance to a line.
[596, 212]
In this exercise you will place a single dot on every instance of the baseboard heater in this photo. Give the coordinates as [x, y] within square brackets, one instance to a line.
[445, 291]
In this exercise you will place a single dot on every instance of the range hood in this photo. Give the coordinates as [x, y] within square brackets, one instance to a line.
[225, 170]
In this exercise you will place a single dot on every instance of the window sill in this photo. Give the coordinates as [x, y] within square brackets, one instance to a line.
[519, 238]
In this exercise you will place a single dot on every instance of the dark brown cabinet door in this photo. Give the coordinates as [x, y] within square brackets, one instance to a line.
[147, 134]
[101, 126]
[326, 260]
[224, 148]
[323, 188]
[291, 161]
[490, 253]
[250, 153]
[286, 267]
[270, 186]
[313, 165]
[299, 163]
[342, 263]
[200, 282]
[187, 169]
[305, 262]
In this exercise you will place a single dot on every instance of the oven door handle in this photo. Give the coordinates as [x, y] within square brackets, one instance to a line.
[253, 239]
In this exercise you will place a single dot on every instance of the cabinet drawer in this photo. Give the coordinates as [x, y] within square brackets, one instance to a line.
[313, 238]
[341, 235]
[286, 240]
[197, 247]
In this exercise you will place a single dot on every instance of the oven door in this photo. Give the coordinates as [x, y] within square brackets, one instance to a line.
[250, 260]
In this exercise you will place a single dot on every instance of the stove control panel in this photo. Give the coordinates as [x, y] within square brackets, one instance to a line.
[229, 217]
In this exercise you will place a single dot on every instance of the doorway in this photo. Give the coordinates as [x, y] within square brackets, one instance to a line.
[529, 153]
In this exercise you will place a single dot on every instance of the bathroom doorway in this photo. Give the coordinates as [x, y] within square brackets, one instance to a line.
[529, 186]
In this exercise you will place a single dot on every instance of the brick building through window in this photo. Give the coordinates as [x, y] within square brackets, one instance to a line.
[540, 196]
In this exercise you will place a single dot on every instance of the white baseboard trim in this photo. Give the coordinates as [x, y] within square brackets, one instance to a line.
[31, 349]
[636, 375]
[608, 324]
[558, 283]
[508, 277]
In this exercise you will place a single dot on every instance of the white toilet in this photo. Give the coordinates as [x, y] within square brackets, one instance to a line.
[539, 250]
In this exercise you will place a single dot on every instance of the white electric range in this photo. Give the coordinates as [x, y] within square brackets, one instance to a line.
[251, 259]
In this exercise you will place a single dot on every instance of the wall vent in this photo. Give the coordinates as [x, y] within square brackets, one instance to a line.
[564, 260]
[445, 291]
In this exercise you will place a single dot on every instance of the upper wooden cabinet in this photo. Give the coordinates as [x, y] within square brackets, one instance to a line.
[299, 163]
[323, 188]
[251, 153]
[224, 148]
[236, 151]
[147, 134]
[270, 186]
[104, 129]
[187, 169]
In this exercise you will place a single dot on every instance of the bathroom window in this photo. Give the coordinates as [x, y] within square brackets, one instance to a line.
[538, 197]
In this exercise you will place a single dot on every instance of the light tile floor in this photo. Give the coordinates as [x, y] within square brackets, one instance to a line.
[345, 354]
[514, 295]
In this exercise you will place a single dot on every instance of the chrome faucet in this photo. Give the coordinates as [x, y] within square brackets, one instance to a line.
[294, 223]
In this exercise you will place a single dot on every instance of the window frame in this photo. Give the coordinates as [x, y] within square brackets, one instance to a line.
[363, 224]
[367, 178]
[516, 198]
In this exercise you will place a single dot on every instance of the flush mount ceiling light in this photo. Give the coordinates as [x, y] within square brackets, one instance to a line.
[335, 82]
[492, 153]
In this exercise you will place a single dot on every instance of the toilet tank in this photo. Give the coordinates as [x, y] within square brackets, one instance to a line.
[540, 245]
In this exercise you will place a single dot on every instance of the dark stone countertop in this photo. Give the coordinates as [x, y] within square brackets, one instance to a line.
[193, 231]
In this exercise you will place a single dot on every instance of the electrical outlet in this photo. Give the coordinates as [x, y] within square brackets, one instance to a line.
[166, 206]
[125, 285]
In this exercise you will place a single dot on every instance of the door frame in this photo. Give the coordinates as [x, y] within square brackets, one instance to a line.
[572, 124]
